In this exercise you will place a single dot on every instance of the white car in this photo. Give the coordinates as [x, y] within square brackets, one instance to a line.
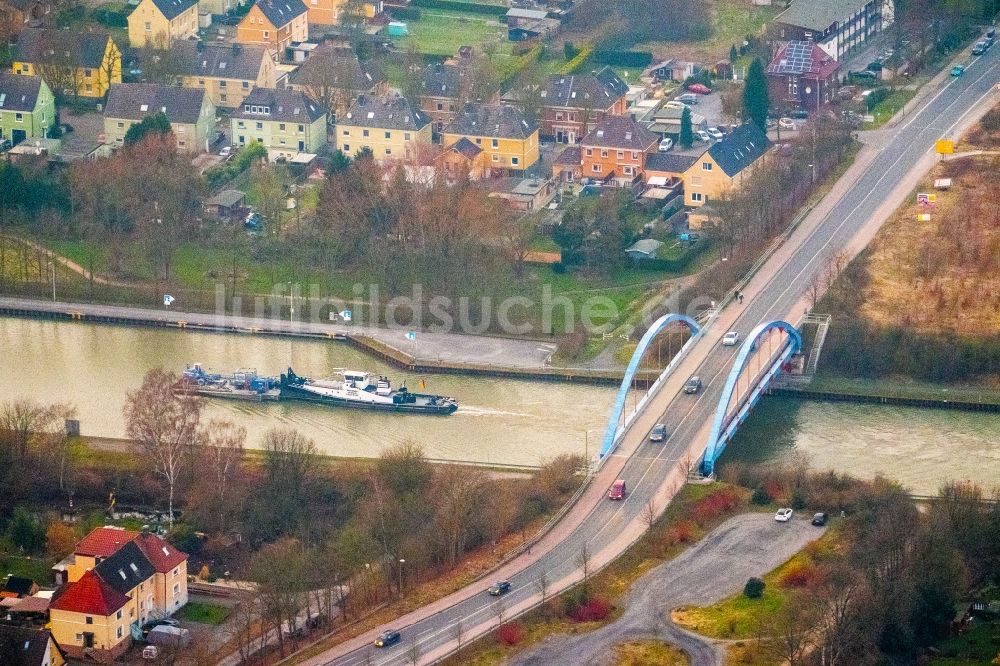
[731, 339]
[226, 151]
[783, 515]
[703, 135]
[786, 124]
[716, 134]
[666, 145]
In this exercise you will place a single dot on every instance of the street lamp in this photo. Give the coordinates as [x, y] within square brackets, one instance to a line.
[401, 563]
[52, 268]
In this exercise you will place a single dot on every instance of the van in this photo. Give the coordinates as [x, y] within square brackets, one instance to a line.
[617, 491]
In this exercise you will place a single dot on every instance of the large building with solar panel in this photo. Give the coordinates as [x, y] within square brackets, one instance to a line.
[801, 76]
[837, 26]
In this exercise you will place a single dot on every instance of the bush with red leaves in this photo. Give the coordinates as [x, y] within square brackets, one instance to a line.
[714, 505]
[510, 633]
[595, 609]
[801, 575]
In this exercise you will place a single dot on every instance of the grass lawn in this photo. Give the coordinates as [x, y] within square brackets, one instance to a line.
[649, 653]
[976, 647]
[37, 569]
[732, 21]
[201, 613]
[440, 32]
[885, 110]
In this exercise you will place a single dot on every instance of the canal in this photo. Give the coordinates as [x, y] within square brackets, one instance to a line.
[500, 420]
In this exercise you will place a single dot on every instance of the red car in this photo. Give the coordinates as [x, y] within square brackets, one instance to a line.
[699, 88]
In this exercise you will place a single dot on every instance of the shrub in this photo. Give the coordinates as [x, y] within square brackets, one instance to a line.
[682, 532]
[569, 50]
[714, 505]
[760, 496]
[754, 589]
[801, 574]
[459, 6]
[510, 633]
[774, 490]
[595, 609]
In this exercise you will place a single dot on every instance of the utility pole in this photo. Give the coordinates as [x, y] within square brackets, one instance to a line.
[52, 267]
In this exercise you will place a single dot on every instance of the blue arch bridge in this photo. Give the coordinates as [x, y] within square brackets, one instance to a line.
[763, 355]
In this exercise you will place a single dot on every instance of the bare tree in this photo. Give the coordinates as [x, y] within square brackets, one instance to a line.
[793, 626]
[499, 610]
[457, 632]
[459, 494]
[413, 651]
[222, 445]
[542, 583]
[583, 561]
[162, 423]
[649, 514]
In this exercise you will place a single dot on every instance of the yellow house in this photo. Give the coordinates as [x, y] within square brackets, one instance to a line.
[83, 63]
[160, 22]
[115, 581]
[227, 72]
[274, 24]
[190, 111]
[286, 121]
[501, 131]
[25, 646]
[724, 165]
[391, 127]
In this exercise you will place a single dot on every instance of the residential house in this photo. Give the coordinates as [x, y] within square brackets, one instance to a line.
[671, 70]
[667, 169]
[75, 62]
[664, 119]
[334, 77]
[616, 150]
[161, 22]
[15, 15]
[566, 165]
[572, 105]
[274, 24]
[724, 165]
[190, 111]
[115, 581]
[836, 26]
[525, 24]
[18, 587]
[228, 72]
[21, 646]
[463, 159]
[286, 121]
[525, 194]
[802, 76]
[643, 249]
[391, 127]
[441, 91]
[27, 108]
[499, 130]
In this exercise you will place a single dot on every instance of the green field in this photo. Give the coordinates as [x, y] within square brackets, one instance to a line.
[438, 32]
[201, 613]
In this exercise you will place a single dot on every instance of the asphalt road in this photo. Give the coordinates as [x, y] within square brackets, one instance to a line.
[605, 527]
[715, 568]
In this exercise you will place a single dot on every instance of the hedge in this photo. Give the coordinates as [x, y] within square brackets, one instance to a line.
[576, 63]
[461, 6]
[624, 58]
[876, 96]
[110, 16]
[407, 13]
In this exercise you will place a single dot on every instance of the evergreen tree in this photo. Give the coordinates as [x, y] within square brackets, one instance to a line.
[733, 54]
[687, 132]
[158, 123]
[755, 97]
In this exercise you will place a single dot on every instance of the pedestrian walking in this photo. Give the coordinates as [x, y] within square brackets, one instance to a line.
[740, 296]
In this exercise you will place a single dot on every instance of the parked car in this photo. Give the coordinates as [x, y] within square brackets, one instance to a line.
[387, 638]
[161, 622]
[658, 433]
[863, 75]
[699, 88]
[666, 144]
[702, 135]
[991, 33]
[715, 133]
[771, 123]
[798, 114]
[253, 222]
[692, 385]
[783, 515]
[874, 66]
[688, 98]
[499, 588]
[226, 151]
[731, 339]
[979, 48]
[617, 491]
[819, 519]
[958, 70]
[786, 124]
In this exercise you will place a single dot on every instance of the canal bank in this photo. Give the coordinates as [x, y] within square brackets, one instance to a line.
[883, 392]
[413, 351]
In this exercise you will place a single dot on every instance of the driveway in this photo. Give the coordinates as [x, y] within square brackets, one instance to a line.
[717, 567]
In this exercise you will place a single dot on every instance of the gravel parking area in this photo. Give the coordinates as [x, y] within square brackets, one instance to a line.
[716, 567]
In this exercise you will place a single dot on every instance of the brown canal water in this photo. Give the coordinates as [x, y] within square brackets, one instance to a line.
[500, 421]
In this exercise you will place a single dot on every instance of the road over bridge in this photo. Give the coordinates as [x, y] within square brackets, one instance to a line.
[845, 220]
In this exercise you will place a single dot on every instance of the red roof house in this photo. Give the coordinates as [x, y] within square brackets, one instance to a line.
[89, 595]
[161, 554]
[104, 541]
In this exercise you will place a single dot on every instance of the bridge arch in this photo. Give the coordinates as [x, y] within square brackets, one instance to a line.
[611, 434]
[721, 431]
